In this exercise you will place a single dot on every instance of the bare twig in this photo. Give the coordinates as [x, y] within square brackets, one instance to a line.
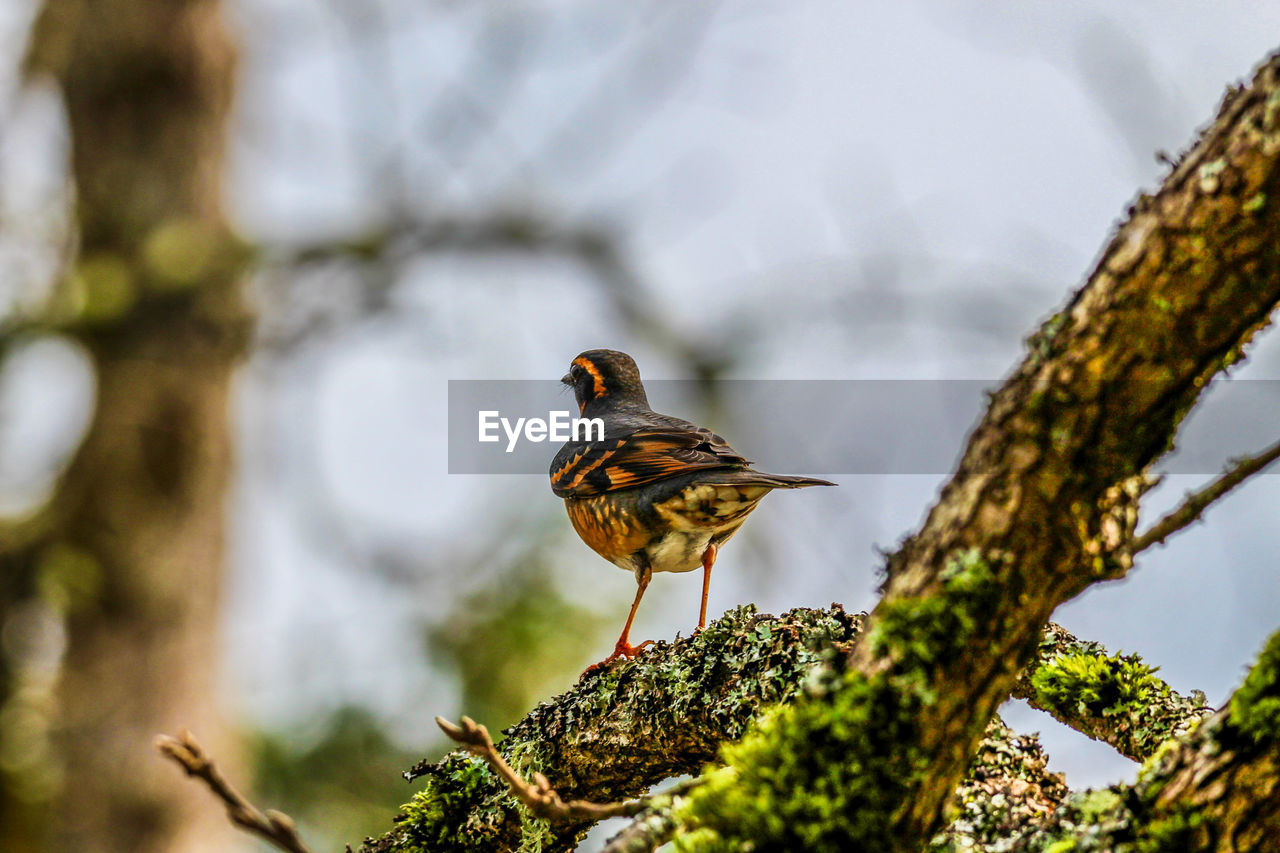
[541, 799]
[1194, 505]
[646, 833]
[273, 826]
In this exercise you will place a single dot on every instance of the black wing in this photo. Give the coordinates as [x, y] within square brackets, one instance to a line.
[669, 449]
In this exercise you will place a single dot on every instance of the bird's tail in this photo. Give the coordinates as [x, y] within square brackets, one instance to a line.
[747, 477]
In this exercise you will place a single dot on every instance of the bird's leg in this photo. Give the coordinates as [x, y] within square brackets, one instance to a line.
[624, 649]
[708, 560]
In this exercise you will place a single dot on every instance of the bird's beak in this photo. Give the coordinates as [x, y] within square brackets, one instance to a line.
[566, 379]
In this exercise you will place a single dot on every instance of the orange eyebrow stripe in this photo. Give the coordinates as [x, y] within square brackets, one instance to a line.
[586, 365]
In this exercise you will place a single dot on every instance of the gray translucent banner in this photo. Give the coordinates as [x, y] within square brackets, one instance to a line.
[819, 427]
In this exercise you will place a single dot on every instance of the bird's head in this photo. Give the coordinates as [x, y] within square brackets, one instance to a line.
[601, 375]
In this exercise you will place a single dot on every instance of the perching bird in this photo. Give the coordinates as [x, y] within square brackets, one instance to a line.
[657, 494]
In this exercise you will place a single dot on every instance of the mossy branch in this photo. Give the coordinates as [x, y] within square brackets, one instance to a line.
[1116, 699]
[1216, 789]
[587, 727]
[538, 796]
[1008, 784]
[619, 731]
[1044, 503]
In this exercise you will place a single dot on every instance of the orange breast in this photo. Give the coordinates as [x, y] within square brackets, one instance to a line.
[609, 533]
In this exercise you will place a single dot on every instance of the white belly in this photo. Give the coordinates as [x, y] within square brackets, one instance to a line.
[678, 551]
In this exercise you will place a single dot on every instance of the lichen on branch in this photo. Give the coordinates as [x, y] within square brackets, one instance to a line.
[715, 682]
[621, 730]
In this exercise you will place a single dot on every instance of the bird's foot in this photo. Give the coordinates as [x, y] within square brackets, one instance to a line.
[622, 650]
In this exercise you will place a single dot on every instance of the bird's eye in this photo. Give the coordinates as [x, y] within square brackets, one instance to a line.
[575, 371]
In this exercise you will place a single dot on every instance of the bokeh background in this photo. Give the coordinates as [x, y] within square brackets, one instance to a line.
[750, 190]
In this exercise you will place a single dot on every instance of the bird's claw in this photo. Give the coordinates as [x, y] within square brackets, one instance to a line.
[622, 650]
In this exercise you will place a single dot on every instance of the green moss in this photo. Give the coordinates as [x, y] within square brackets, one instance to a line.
[466, 807]
[1173, 833]
[527, 758]
[1105, 821]
[1117, 698]
[920, 632]
[1095, 805]
[778, 791]
[1153, 775]
[1255, 707]
[535, 832]
[1096, 684]
[1090, 822]
[781, 788]
[444, 816]
[707, 687]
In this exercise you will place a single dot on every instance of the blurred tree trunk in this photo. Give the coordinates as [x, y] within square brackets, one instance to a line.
[137, 521]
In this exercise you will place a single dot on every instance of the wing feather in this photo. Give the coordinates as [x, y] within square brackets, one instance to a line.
[644, 456]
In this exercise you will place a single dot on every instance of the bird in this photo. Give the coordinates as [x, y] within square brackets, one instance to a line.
[655, 493]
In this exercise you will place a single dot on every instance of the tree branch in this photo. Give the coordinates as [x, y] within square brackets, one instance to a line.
[585, 740]
[620, 731]
[1194, 505]
[648, 831]
[1216, 789]
[272, 826]
[1043, 503]
[1008, 784]
[1116, 699]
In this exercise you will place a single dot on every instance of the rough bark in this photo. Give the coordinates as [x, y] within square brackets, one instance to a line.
[137, 520]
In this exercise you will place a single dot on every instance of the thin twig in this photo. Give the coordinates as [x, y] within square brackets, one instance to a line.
[1194, 505]
[539, 796]
[275, 827]
[646, 833]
